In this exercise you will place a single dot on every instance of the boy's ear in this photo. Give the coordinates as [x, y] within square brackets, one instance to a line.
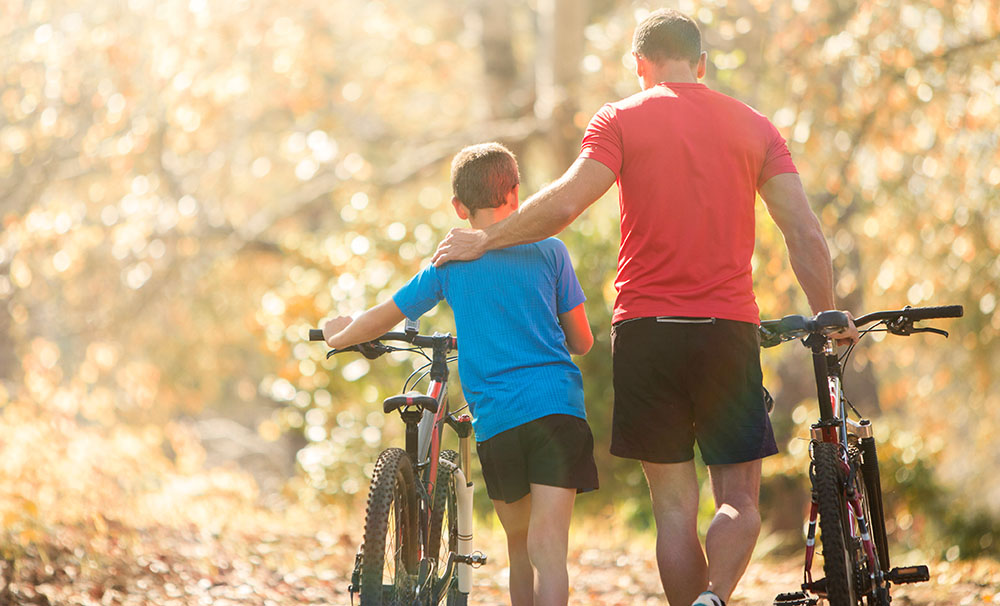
[513, 197]
[460, 209]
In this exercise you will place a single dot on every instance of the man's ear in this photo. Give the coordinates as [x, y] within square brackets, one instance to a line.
[460, 209]
[702, 65]
[640, 65]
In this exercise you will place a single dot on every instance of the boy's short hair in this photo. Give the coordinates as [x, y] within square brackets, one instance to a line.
[667, 34]
[482, 175]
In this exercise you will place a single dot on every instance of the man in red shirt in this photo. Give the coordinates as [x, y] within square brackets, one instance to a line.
[689, 163]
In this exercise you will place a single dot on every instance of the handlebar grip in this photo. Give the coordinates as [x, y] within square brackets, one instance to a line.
[316, 334]
[944, 311]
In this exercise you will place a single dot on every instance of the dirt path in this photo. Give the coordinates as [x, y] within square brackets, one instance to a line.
[107, 565]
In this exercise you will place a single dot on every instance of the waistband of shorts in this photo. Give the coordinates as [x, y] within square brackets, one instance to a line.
[670, 320]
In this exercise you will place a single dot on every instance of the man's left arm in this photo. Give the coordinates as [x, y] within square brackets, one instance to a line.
[544, 214]
[808, 252]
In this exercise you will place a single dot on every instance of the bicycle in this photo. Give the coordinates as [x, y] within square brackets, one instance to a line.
[846, 487]
[417, 544]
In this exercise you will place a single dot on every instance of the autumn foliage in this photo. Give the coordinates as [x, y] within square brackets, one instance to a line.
[187, 187]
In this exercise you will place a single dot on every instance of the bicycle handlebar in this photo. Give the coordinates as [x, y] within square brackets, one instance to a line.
[898, 322]
[912, 314]
[375, 348]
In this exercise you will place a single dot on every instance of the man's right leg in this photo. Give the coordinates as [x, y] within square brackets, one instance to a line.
[673, 488]
[733, 534]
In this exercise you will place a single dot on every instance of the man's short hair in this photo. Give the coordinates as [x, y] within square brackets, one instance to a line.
[482, 175]
[667, 34]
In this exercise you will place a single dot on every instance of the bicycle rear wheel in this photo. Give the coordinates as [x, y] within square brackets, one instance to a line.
[835, 535]
[390, 552]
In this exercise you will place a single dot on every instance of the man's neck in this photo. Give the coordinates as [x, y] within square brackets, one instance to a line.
[670, 71]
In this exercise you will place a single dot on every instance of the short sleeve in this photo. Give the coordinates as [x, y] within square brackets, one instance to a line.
[603, 140]
[777, 158]
[420, 294]
[569, 293]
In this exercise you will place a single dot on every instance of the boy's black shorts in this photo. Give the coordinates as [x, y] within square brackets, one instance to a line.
[678, 381]
[556, 450]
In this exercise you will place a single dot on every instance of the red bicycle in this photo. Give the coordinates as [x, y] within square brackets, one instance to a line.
[846, 488]
[417, 546]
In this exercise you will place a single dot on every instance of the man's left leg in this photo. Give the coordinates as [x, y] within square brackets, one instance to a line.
[734, 530]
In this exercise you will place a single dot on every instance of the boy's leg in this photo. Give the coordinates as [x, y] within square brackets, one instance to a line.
[734, 530]
[673, 488]
[548, 542]
[515, 517]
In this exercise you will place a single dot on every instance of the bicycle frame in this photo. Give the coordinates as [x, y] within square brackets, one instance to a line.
[839, 444]
[424, 428]
[832, 427]
[426, 455]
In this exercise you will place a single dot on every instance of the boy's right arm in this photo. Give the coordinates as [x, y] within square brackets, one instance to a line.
[341, 332]
[579, 338]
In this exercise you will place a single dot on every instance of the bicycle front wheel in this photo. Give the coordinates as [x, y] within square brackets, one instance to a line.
[834, 525]
[390, 550]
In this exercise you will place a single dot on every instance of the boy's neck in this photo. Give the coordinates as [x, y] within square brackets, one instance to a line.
[484, 217]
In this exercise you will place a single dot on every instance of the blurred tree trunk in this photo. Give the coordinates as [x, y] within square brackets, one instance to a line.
[557, 75]
[499, 63]
[8, 357]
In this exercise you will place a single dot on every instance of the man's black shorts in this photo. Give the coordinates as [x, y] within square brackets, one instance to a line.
[556, 450]
[681, 380]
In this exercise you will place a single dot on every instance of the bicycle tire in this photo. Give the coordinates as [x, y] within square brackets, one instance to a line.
[838, 562]
[390, 551]
[444, 520]
[443, 534]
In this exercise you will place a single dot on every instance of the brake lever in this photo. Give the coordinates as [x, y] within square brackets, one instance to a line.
[905, 329]
[372, 349]
[937, 331]
[334, 352]
[769, 339]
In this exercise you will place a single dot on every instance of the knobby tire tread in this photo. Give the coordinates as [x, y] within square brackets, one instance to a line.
[391, 494]
[832, 524]
[444, 493]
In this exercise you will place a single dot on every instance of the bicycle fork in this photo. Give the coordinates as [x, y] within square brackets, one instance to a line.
[464, 492]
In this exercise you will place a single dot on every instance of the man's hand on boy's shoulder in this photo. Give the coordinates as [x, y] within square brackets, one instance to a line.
[460, 244]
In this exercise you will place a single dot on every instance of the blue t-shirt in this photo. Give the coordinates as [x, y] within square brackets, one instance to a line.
[513, 359]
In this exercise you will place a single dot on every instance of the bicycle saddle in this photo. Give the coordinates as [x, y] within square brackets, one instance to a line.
[410, 398]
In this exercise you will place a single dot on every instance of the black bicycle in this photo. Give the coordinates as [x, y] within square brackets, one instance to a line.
[843, 470]
[417, 545]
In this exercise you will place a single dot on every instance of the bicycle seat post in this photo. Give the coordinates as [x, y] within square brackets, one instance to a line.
[411, 416]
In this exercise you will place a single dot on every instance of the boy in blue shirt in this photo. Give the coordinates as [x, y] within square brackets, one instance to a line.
[519, 312]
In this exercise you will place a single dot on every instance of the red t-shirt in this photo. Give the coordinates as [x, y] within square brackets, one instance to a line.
[689, 161]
